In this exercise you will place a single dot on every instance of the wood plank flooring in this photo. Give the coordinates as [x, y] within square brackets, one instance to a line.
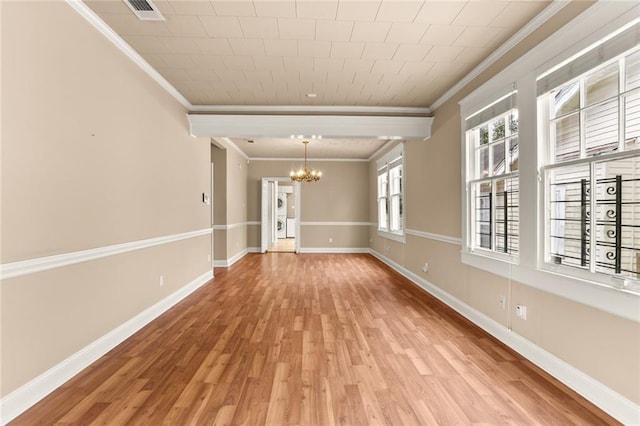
[285, 339]
[283, 245]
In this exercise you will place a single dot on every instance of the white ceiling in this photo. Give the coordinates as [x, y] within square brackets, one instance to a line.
[350, 53]
[356, 53]
[360, 149]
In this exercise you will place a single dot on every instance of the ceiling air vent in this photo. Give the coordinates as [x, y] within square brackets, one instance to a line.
[145, 10]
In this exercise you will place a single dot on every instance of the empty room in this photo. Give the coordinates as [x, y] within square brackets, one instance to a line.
[331, 212]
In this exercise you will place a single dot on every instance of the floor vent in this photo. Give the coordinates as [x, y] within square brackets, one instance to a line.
[145, 10]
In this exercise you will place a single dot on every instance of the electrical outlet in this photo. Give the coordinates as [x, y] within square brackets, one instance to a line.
[503, 302]
[161, 280]
[330, 240]
[521, 311]
[425, 267]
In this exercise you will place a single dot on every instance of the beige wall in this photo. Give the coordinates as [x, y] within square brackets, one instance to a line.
[230, 202]
[602, 345]
[94, 153]
[219, 160]
[341, 236]
[48, 316]
[236, 202]
[342, 195]
[81, 166]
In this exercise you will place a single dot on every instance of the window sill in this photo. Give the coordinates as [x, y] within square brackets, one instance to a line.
[618, 302]
[401, 238]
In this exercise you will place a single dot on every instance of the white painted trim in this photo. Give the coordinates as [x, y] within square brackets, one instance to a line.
[234, 225]
[340, 250]
[616, 405]
[228, 143]
[400, 238]
[383, 148]
[30, 393]
[329, 126]
[30, 266]
[248, 109]
[253, 249]
[335, 223]
[253, 223]
[437, 237]
[233, 259]
[529, 28]
[124, 47]
[310, 160]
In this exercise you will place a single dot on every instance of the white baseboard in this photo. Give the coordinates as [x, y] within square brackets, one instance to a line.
[334, 250]
[616, 405]
[254, 250]
[30, 393]
[231, 260]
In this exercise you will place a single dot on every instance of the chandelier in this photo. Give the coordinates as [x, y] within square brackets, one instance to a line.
[304, 174]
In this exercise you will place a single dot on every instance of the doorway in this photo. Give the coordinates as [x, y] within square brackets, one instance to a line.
[280, 215]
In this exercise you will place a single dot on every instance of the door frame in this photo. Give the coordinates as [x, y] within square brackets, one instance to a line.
[211, 198]
[264, 221]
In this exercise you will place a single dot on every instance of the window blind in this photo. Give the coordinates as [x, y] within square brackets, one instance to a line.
[495, 109]
[600, 54]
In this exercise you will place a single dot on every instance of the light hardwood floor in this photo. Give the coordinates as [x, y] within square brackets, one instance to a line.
[283, 245]
[283, 339]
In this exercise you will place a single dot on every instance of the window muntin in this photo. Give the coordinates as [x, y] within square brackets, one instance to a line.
[493, 180]
[592, 170]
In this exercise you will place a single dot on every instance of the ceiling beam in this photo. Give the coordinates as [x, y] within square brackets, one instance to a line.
[308, 126]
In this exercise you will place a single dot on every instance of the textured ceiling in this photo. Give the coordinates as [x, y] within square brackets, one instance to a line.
[317, 149]
[349, 53]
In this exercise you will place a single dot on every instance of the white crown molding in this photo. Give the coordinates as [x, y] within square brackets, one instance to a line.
[436, 237]
[383, 148]
[228, 143]
[113, 37]
[313, 109]
[335, 223]
[616, 405]
[529, 28]
[39, 264]
[311, 160]
[30, 393]
[336, 250]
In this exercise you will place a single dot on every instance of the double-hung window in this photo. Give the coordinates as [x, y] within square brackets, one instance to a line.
[589, 126]
[492, 179]
[391, 194]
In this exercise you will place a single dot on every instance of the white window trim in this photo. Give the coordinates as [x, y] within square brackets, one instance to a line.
[595, 23]
[470, 169]
[397, 151]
